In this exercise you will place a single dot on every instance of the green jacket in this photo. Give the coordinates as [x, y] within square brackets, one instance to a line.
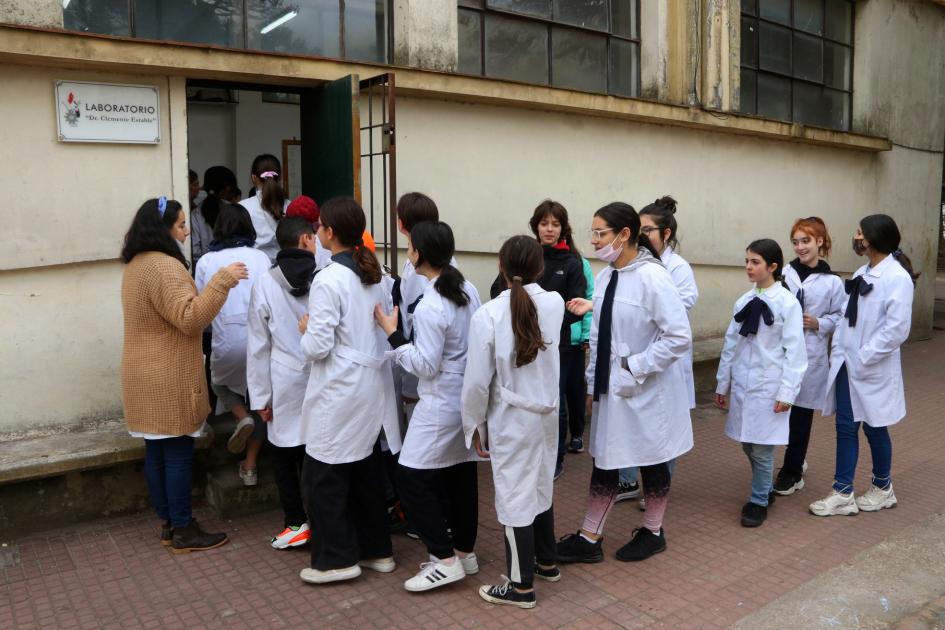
[581, 331]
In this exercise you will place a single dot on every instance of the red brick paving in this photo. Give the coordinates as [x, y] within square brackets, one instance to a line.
[114, 574]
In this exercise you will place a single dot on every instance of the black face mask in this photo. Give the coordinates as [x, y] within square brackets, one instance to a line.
[858, 247]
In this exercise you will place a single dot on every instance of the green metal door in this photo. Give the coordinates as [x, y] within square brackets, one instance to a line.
[331, 140]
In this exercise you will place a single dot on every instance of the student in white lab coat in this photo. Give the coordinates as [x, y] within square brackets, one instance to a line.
[437, 470]
[348, 401]
[233, 241]
[276, 371]
[658, 223]
[820, 294]
[865, 382]
[510, 413]
[641, 416]
[268, 205]
[219, 184]
[763, 363]
[306, 208]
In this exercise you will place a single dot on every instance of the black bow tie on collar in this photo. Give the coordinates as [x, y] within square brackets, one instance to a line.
[751, 315]
[800, 298]
[855, 287]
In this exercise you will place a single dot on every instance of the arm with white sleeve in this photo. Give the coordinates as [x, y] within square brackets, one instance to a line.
[675, 337]
[895, 325]
[794, 364]
[724, 375]
[480, 371]
[423, 356]
[837, 300]
[258, 349]
[324, 308]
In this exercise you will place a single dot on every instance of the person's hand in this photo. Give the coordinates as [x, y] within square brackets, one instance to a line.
[388, 323]
[580, 306]
[477, 444]
[303, 324]
[811, 322]
[588, 405]
[265, 414]
[238, 271]
[781, 407]
[720, 401]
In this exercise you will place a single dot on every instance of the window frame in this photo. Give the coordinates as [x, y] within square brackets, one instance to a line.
[483, 9]
[794, 30]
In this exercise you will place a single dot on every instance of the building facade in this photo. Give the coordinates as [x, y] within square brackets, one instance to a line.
[749, 113]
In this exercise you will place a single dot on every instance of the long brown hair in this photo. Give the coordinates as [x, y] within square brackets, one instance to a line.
[559, 213]
[273, 194]
[346, 219]
[521, 261]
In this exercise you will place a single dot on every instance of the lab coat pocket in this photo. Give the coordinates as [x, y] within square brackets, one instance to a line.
[622, 381]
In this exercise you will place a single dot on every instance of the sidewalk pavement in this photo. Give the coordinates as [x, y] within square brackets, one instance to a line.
[114, 573]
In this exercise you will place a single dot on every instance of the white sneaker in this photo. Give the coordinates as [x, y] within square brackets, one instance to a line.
[804, 467]
[237, 442]
[876, 499]
[314, 576]
[381, 565]
[835, 504]
[249, 476]
[435, 573]
[470, 564]
[292, 537]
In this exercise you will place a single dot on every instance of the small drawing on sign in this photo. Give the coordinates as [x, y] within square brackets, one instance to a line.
[72, 110]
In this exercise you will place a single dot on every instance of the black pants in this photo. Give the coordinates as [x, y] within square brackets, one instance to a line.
[801, 421]
[526, 545]
[391, 496]
[441, 498]
[345, 503]
[207, 344]
[573, 390]
[287, 468]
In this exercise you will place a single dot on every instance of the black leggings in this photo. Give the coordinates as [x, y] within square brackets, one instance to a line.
[526, 545]
[439, 499]
[287, 468]
[801, 421]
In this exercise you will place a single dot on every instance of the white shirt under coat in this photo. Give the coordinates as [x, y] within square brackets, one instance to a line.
[824, 298]
[264, 224]
[685, 281]
[276, 371]
[870, 349]
[644, 417]
[437, 357]
[762, 369]
[515, 408]
[350, 391]
[228, 349]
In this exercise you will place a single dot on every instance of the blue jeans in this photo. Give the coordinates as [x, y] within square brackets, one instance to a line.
[848, 442]
[629, 475]
[761, 457]
[168, 467]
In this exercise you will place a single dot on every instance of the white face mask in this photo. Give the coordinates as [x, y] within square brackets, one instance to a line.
[607, 253]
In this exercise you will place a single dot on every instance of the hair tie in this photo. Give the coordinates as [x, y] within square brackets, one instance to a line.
[516, 278]
[897, 253]
[268, 175]
[162, 205]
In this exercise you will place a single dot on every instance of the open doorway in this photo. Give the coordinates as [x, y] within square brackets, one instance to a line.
[334, 139]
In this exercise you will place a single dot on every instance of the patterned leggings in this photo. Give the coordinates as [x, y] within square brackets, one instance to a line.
[656, 482]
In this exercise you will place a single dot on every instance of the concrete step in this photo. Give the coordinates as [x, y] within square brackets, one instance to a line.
[228, 497]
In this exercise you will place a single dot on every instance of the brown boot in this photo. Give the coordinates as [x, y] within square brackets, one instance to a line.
[192, 538]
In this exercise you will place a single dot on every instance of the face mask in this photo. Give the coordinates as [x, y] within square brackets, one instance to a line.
[607, 253]
[858, 247]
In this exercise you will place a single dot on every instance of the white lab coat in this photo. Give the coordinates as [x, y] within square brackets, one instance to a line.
[763, 369]
[350, 392]
[685, 282]
[276, 371]
[228, 350]
[824, 298]
[200, 234]
[870, 349]
[437, 357]
[644, 417]
[264, 224]
[515, 408]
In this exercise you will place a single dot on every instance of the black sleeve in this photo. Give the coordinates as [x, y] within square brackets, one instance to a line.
[576, 288]
[497, 287]
[397, 339]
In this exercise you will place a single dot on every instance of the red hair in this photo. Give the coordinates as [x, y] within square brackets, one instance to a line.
[815, 228]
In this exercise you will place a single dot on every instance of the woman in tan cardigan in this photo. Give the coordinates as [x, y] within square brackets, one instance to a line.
[163, 386]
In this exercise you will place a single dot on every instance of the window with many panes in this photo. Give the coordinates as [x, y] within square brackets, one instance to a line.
[797, 60]
[347, 29]
[590, 45]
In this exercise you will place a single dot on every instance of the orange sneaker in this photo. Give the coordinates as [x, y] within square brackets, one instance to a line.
[292, 537]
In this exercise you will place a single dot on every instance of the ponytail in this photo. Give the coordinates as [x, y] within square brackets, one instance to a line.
[521, 260]
[906, 263]
[346, 219]
[643, 242]
[268, 170]
[449, 284]
[365, 259]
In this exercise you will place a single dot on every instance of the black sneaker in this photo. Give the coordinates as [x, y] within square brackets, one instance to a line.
[627, 491]
[576, 548]
[549, 575]
[559, 470]
[753, 515]
[576, 445]
[506, 594]
[643, 545]
[787, 484]
[771, 497]
[167, 533]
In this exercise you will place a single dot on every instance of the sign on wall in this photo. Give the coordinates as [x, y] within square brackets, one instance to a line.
[107, 112]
